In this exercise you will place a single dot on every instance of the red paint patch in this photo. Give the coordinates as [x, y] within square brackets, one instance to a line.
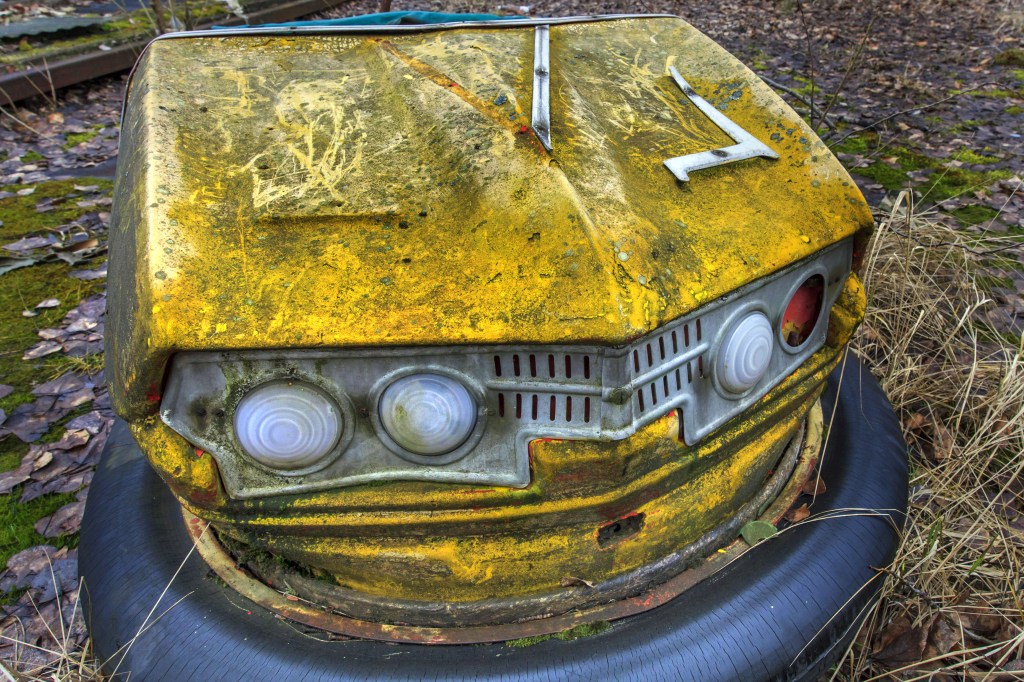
[199, 453]
[202, 497]
[523, 129]
[574, 477]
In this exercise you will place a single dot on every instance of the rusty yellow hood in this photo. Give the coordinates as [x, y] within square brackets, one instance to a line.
[376, 189]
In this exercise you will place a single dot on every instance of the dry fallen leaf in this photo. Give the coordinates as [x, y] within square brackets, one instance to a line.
[798, 514]
[814, 486]
[41, 349]
[899, 643]
[943, 442]
[914, 422]
[64, 521]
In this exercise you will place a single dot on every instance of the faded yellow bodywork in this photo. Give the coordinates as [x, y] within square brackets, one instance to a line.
[340, 191]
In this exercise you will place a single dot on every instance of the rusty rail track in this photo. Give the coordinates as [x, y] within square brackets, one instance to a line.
[46, 80]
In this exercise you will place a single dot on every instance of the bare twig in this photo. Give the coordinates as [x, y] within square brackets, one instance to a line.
[796, 95]
[849, 67]
[809, 50]
[882, 120]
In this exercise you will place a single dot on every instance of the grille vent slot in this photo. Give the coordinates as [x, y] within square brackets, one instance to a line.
[546, 407]
[545, 366]
[657, 351]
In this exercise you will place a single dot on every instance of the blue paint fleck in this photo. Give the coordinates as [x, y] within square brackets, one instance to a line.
[501, 100]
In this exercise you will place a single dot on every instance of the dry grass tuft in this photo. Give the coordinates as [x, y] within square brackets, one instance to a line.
[57, 654]
[952, 607]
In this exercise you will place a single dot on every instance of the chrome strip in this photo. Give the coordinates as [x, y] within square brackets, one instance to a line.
[405, 28]
[747, 146]
[542, 86]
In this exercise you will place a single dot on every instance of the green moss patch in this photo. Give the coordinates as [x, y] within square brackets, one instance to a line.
[75, 139]
[17, 523]
[578, 632]
[945, 182]
[21, 290]
[975, 159]
[991, 93]
[973, 215]
[1011, 57]
[19, 214]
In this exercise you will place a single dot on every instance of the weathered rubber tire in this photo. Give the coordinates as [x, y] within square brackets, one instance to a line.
[784, 610]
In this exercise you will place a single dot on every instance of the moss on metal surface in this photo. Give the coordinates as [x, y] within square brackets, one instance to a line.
[578, 632]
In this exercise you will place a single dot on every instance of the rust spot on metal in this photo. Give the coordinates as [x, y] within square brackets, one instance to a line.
[620, 529]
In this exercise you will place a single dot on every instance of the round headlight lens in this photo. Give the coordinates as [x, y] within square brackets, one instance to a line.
[745, 353]
[287, 425]
[427, 414]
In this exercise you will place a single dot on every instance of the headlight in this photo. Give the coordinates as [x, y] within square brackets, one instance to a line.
[803, 311]
[427, 414]
[287, 425]
[745, 353]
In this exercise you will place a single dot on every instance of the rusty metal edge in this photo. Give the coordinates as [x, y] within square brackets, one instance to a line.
[46, 80]
[314, 615]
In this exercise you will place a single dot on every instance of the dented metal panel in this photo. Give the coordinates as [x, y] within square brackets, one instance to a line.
[387, 190]
[331, 196]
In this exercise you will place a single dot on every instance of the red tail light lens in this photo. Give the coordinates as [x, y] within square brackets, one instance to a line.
[803, 311]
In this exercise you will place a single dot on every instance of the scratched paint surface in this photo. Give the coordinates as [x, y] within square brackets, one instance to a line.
[356, 191]
[340, 191]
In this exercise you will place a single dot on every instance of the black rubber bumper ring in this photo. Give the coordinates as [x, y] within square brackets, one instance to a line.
[784, 610]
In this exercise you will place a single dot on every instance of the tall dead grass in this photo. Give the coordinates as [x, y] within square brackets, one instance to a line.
[952, 607]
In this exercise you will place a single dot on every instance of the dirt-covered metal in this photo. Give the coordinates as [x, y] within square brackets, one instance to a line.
[326, 605]
[342, 216]
[329, 198]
